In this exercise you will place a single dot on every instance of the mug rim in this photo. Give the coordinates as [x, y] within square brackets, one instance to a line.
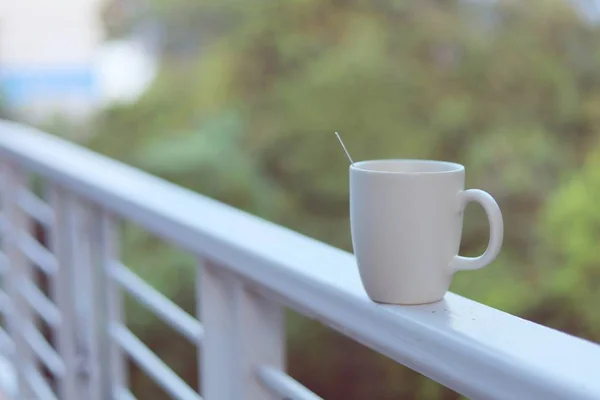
[445, 167]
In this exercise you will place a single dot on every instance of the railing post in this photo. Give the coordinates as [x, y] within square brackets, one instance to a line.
[99, 308]
[109, 305]
[16, 223]
[62, 291]
[84, 241]
[243, 331]
[88, 299]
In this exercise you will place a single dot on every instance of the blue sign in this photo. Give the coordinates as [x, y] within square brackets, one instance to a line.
[19, 87]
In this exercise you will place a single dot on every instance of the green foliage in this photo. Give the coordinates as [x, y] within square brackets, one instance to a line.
[166, 268]
[570, 235]
[510, 89]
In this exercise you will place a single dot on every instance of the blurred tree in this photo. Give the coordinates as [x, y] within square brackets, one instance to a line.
[570, 232]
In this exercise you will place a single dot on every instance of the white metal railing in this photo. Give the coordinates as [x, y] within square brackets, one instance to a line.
[248, 270]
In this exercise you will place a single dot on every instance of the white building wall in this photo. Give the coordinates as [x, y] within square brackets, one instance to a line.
[47, 51]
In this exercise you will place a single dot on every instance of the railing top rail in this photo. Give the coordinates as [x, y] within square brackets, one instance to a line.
[476, 350]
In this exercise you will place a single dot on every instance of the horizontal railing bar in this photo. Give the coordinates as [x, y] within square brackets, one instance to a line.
[122, 393]
[46, 309]
[38, 385]
[160, 304]
[36, 207]
[38, 254]
[473, 349]
[284, 385]
[152, 365]
[44, 350]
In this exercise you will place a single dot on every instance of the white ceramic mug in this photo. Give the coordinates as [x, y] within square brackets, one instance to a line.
[406, 218]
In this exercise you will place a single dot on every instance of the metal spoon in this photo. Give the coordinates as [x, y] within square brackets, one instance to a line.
[344, 147]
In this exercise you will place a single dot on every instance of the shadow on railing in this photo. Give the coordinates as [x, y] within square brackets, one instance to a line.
[65, 334]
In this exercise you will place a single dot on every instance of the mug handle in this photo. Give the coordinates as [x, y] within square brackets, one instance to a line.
[496, 230]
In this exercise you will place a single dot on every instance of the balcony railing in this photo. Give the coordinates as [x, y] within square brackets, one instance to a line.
[248, 271]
